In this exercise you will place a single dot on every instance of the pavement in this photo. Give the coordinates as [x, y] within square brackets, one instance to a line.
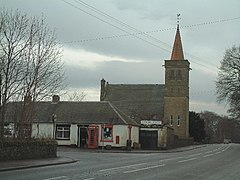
[33, 163]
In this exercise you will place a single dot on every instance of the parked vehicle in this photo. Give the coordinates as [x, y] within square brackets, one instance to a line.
[227, 141]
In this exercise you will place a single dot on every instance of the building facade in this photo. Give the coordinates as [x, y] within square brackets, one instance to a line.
[159, 108]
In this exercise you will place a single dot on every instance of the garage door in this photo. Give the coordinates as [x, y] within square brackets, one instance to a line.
[148, 139]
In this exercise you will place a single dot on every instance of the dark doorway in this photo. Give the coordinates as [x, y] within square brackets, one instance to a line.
[148, 139]
[83, 135]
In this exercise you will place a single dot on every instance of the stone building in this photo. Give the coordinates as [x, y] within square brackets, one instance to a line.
[161, 109]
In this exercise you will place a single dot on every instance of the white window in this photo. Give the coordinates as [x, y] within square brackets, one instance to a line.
[63, 132]
[171, 120]
[178, 120]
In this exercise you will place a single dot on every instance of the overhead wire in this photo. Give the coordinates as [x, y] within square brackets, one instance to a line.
[139, 31]
[136, 31]
[114, 26]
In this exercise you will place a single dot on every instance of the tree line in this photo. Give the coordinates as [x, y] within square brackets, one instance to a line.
[209, 127]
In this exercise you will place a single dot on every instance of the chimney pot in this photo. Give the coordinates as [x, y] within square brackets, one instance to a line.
[55, 98]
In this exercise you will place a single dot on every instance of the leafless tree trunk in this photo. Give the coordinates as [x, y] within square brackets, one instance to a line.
[32, 68]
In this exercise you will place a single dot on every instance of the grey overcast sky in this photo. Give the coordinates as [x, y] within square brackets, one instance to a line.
[96, 45]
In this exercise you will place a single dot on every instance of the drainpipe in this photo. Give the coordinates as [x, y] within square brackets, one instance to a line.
[129, 132]
[129, 141]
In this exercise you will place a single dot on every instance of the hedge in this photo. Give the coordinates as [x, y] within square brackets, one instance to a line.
[14, 149]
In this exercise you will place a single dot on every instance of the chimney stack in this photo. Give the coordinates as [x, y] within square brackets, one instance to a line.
[55, 99]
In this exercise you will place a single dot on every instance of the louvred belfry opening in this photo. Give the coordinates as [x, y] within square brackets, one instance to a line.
[177, 52]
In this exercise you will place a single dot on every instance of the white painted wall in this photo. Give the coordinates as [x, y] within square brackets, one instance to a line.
[73, 137]
[42, 130]
[121, 131]
[45, 130]
[135, 134]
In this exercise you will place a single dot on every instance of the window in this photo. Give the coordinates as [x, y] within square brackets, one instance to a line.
[178, 120]
[63, 132]
[171, 120]
[107, 133]
[179, 75]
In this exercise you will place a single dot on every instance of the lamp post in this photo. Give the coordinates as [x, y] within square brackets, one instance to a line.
[54, 120]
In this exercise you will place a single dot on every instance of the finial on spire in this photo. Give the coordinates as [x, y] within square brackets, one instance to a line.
[177, 52]
[178, 19]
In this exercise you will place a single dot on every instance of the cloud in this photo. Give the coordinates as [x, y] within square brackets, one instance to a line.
[90, 60]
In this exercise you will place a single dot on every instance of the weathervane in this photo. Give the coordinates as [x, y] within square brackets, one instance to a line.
[178, 19]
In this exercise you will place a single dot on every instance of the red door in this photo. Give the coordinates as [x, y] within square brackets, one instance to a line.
[93, 137]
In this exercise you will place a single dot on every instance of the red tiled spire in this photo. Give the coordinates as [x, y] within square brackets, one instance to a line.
[177, 52]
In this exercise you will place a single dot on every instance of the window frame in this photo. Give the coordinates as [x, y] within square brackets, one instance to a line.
[171, 120]
[178, 120]
[102, 132]
[66, 128]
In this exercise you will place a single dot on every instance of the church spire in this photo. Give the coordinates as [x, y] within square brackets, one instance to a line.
[177, 52]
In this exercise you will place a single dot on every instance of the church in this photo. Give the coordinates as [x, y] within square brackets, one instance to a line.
[157, 106]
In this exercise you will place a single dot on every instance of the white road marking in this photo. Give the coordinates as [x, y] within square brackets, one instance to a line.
[53, 178]
[89, 179]
[169, 159]
[208, 152]
[198, 154]
[208, 155]
[186, 160]
[218, 152]
[121, 167]
[141, 169]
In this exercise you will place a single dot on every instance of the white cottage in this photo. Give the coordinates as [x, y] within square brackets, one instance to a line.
[82, 124]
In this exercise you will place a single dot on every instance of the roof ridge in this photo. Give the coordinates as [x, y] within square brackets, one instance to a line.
[117, 109]
[117, 112]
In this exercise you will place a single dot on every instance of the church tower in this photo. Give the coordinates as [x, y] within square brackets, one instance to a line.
[176, 92]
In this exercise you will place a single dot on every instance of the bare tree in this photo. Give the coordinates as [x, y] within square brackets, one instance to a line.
[228, 80]
[32, 67]
[76, 96]
[13, 31]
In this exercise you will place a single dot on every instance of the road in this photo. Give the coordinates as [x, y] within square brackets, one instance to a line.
[218, 161]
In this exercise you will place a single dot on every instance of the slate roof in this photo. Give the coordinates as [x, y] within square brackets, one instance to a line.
[141, 101]
[75, 112]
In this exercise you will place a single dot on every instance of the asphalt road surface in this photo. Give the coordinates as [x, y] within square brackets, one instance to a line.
[218, 161]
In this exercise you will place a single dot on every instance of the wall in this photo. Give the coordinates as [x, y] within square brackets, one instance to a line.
[135, 134]
[42, 130]
[45, 130]
[121, 131]
[73, 137]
